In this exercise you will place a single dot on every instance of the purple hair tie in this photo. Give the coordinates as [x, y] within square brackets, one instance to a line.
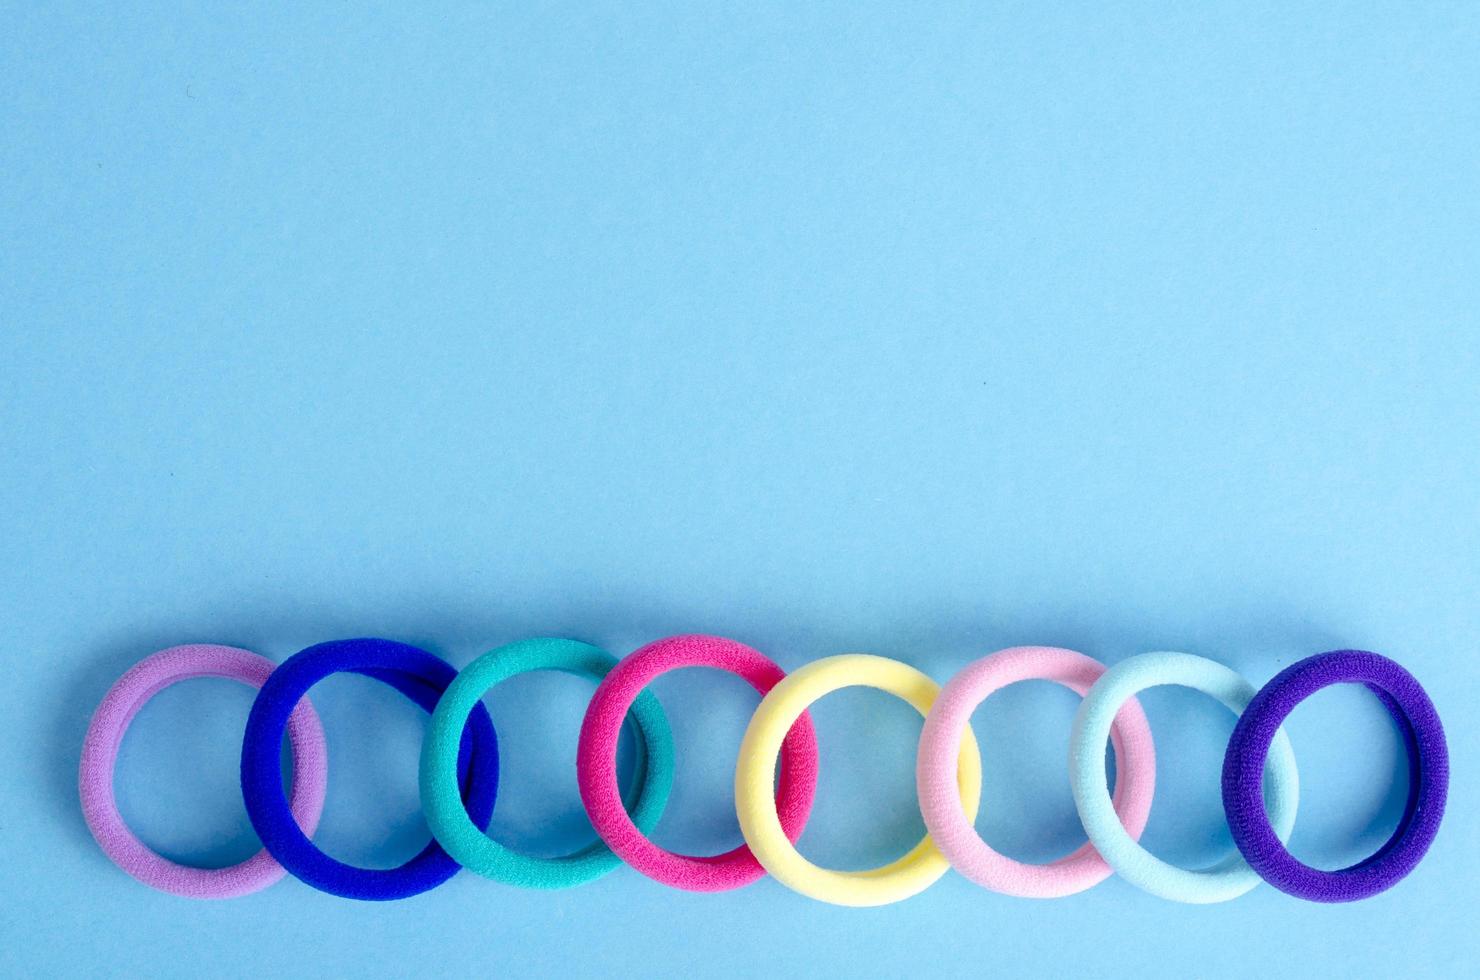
[1428, 782]
[100, 754]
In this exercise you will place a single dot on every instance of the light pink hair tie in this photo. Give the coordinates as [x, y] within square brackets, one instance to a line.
[596, 757]
[935, 772]
[100, 753]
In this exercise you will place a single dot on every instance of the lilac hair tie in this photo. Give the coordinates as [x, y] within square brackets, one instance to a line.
[1428, 782]
[100, 753]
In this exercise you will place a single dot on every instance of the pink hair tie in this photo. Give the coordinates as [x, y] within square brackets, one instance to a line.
[935, 772]
[100, 753]
[596, 769]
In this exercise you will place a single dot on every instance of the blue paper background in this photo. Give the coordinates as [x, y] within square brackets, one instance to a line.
[918, 330]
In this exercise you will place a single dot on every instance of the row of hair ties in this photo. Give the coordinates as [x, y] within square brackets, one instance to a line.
[459, 771]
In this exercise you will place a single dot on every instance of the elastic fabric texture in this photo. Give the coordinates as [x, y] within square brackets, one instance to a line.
[756, 774]
[940, 743]
[464, 838]
[597, 755]
[459, 771]
[1225, 880]
[1428, 776]
[416, 674]
[105, 734]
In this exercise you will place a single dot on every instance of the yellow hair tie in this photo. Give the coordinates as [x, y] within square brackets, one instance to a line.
[755, 782]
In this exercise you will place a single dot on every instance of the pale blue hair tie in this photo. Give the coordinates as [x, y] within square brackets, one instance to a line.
[1227, 879]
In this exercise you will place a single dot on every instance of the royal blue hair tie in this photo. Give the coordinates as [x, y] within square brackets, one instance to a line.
[1428, 783]
[416, 674]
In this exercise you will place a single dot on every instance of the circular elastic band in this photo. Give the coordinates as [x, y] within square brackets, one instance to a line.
[940, 744]
[100, 754]
[597, 756]
[416, 674]
[756, 774]
[1225, 880]
[1428, 782]
[465, 839]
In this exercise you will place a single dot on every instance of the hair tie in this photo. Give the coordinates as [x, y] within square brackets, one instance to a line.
[100, 754]
[1225, 880]
[465, 839]
[1428, 780]
[940, 742]
[596, 762]
[416, 674]
[756, 774]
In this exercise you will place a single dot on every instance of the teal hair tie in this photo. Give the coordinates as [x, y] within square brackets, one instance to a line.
[1227, 879]
[460, 837]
